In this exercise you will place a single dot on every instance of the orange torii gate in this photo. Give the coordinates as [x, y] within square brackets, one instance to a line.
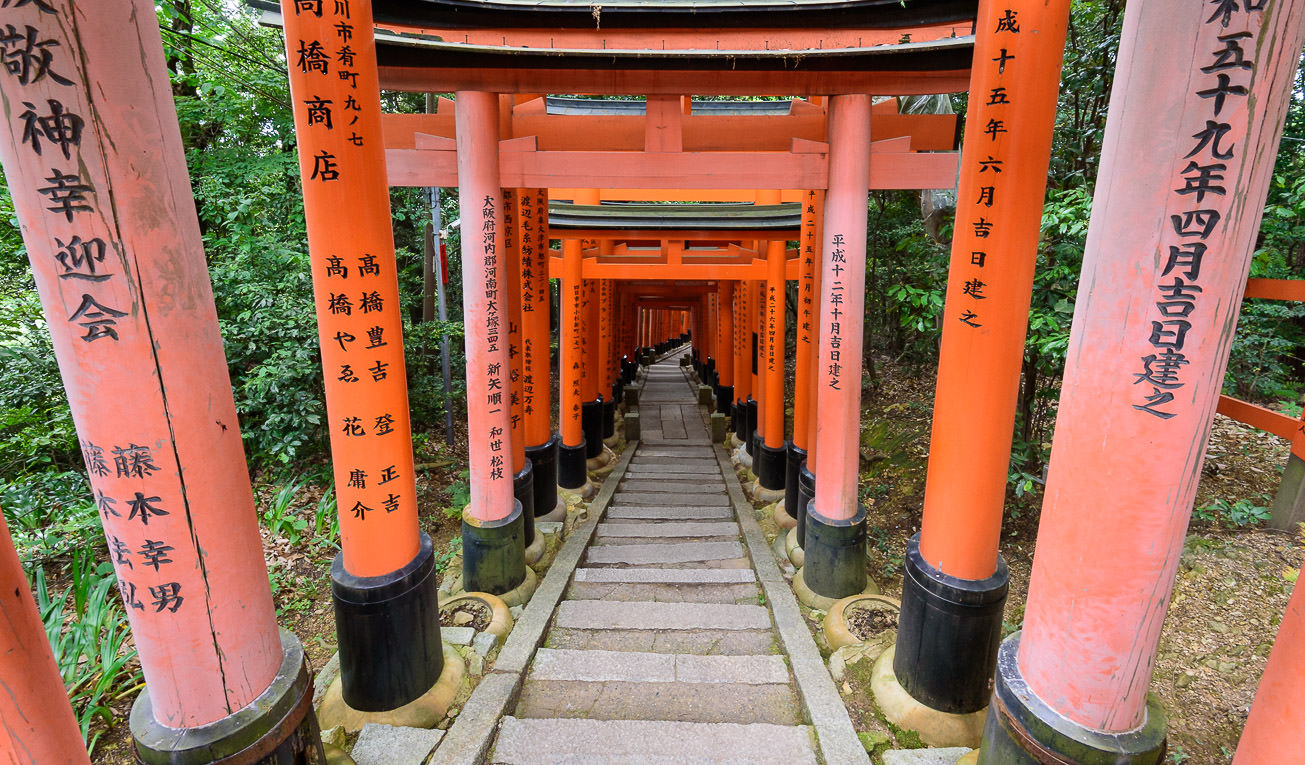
[224, 685]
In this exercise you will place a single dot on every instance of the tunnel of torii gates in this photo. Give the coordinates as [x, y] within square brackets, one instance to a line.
[94, 159]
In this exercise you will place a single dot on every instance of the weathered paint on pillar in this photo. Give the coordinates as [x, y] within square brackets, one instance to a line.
[725, 332]
[774, 324]
[742, 342]
[484, 301]
[1277, 721]
[94, 161]
[571, 387]
[807, 336]
[355, 283]
[36, 721]
[604, 321]
[842, 302]
[535, 353]
[512, 303]
[1200, 94]
[1003, 181]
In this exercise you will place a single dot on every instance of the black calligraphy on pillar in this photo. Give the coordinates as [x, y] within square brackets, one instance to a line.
[1201, 185]
[834, 367]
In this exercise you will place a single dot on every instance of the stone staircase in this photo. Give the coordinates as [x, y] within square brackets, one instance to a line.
[662, 650]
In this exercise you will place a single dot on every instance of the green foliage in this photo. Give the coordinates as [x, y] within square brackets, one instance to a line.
[1242, 513]
[89, 640]
[459, 495]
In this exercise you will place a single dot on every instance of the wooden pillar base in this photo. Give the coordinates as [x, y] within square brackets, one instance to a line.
[278, 726]
[494, 552]
[544, 459]
[835, 554]
[388, 630]
[794, 458]
[1023, 730]
[523, 490]
[948, 634]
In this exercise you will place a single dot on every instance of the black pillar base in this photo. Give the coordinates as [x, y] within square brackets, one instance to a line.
[544, 460]
[571, 470]
[835, 554]
[618, 391]
[591, 422]
[1022, 730]
[724, 401]
[768, 464]
[806, 492]
[609, 418]
[278, 726]
[948, 634]
[739, 420]
[523, 489]
[794, 458]
[494, 553]
[750, 428]
[388, 628]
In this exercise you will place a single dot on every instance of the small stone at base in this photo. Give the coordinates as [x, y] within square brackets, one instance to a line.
[484, 642]
[475, 665]
[458, 635]
[944, 756]
[548, 527]
[392, 745]
[516, 612]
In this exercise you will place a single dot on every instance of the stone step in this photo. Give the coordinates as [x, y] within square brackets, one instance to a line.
[641, 475]
[665, 593]
[604, 615]
[608, 542]
[682, 552]
[685, 702]
[671, 529]
[700, 642]
[709, 486]
[624, 666]
[627, 742]
[664, 576]
[671, 500]
[689, 512]
[658, 467]
[676, 452]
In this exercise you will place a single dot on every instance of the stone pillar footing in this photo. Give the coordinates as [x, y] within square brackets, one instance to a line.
[631, 396]
[278, 726]
[571, 470]
[493, 553]
[544, 460]
[769, 465]
[1021, 729]
[835, 554]
[948, 634]
[523, 489]
[388, 631]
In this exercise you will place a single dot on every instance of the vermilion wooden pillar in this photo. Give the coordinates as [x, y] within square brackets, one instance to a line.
[1200, 96]
[523, 472]
[36, 721]
[384, 557]
[493, 533]
[742, 366]
[571, 472]
[800, 483]
[724, 346]
[1277, 721]
[95, 165]
[955, 581]
[536, 368]
[835, 523]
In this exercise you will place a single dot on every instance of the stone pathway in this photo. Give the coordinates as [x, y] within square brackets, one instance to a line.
[663, 649]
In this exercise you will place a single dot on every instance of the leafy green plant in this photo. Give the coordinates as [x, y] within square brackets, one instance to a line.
[1242, 513]
[90, 646]
[459, 495]
[279, 516]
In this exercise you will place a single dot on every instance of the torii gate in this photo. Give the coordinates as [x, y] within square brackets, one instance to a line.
[222, 683]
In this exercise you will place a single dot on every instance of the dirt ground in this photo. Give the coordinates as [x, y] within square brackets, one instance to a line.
[1232, 588]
